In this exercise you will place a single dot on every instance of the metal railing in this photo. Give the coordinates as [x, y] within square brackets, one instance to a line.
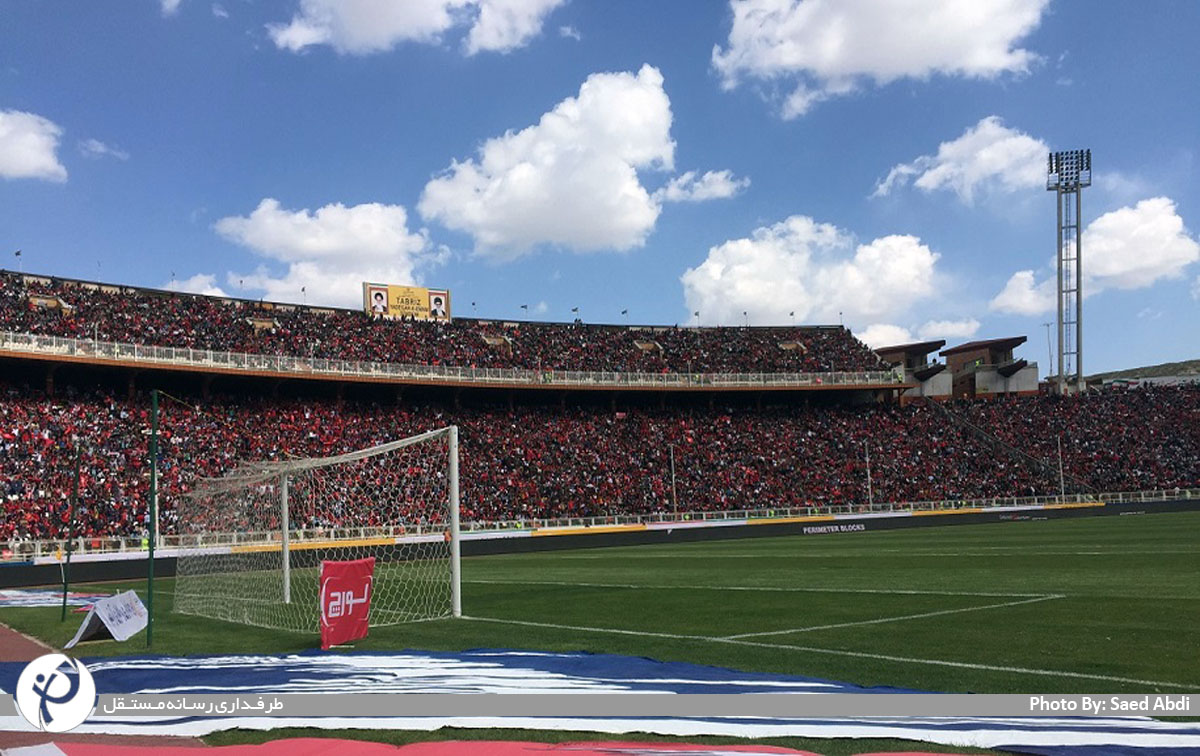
[23, 550]
[60, 346]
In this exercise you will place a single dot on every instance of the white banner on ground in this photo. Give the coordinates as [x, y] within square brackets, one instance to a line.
[120, 617]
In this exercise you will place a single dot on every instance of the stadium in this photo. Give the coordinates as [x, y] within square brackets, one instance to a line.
[401, 490]
[602, 507]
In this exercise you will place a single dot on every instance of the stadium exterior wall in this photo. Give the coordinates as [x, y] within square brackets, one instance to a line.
[133, 566]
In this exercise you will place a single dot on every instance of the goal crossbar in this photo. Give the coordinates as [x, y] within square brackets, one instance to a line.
[409, 482]
[255, 472]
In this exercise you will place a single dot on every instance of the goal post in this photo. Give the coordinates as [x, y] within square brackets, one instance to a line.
[455, 539]
[251, 542]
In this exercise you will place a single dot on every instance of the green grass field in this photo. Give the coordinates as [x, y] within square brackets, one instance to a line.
[1084, 605]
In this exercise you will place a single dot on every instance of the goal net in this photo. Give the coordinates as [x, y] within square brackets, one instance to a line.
[252, 542]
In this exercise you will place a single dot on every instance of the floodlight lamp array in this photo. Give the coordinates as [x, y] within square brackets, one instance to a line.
[1069, 170]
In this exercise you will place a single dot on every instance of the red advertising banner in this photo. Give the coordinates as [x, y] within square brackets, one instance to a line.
[346, 600]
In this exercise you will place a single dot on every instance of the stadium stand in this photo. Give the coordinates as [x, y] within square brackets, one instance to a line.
[106, 312]
[541, 462]
[524, 461]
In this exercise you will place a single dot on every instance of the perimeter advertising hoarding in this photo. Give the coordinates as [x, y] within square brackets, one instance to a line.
[415, 302]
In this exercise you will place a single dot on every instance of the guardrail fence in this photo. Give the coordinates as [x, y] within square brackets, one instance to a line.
[59, 346]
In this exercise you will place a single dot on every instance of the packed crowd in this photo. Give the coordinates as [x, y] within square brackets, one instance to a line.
[1119, 440]
[110, 313]
[539, 462]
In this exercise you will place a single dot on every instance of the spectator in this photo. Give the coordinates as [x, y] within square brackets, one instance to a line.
[169, 319]
[539, 462]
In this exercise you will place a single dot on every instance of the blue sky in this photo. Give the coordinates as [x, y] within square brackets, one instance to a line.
[878, 164]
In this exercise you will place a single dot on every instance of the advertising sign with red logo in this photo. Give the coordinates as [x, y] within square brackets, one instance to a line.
[346, 600]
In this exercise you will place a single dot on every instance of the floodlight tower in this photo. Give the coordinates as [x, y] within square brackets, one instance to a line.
[1067, 174]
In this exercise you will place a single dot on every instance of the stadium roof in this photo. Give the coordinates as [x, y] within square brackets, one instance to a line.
[1008, 343]
[916, 347]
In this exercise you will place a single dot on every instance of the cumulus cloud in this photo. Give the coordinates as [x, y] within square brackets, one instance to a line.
[201, 283]
[505, 25]
[812, 269]
[1134, 247]
[360, 27]
[1022, 295]
[827, 48]
[570, 180]
[328, 253]
[712, 185]
[28, 147]
[1130, 248]
[94, 148]
[879, 335]
[170, 7]
[989, 155]
[948, 329]
[219, 11]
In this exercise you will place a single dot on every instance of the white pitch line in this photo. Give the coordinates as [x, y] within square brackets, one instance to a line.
[884, 620]
[608, 630]
[839, 652]
[767, 588]
[981, 551]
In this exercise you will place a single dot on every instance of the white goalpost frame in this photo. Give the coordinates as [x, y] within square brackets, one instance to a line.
[241, 484]
[285, 537]
[455, 540]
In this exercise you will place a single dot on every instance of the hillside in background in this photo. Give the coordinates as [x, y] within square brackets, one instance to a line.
[1187, 367]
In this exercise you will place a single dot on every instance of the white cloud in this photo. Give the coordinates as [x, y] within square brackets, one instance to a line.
[827, 48]
[812, 269]
[948, 329]
[329, 252]
[1134, 247]
[571, 179]
[94, 148]
[505, 25]
[540, 308]
[28, 145]
[170, 7]
[1130, 248]
[367, 26]
[569, 32]
[219, 11]
[1021, 296]
[201, 283]
[712, 185]
[879, 335]
[988, 155]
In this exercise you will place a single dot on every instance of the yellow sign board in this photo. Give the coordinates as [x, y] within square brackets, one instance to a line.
[416, 302]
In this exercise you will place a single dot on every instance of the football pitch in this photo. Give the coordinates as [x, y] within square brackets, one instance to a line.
[1081, 605]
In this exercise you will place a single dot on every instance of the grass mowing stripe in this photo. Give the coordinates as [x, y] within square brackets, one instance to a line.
[840, 652]
[1124, 616]
[883, 620]
[768, 588]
